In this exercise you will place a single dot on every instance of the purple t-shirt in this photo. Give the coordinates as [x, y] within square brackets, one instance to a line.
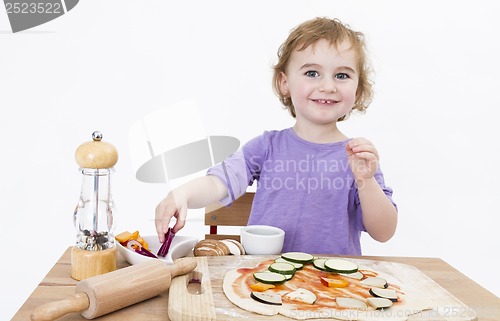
[304, 188]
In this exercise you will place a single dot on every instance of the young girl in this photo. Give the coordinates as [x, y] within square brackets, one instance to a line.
[321, 187]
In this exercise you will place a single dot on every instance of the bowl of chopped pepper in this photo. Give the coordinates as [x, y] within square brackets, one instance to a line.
[135, 248]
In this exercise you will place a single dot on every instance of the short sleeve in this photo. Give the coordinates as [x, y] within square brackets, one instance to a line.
[230, 172]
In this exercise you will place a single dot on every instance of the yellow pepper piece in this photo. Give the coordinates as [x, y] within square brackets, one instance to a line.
[260, 287]
[334, 283]
[126, 236]
[134, 235]
[143, 242]
[123, 237]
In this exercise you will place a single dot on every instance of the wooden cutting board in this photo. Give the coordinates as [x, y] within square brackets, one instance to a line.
[205, 301]
[190, 296]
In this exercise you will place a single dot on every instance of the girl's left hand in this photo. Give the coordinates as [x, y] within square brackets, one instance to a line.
[363, 158]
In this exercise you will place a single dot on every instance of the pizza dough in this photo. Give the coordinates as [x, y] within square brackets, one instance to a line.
[236, 287]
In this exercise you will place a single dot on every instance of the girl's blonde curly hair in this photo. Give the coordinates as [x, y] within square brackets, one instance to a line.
[332, 30]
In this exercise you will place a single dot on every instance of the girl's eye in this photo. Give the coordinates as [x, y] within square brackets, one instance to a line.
[342, 75]
[312, 73]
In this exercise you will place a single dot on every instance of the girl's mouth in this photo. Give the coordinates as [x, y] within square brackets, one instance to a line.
[324, 101]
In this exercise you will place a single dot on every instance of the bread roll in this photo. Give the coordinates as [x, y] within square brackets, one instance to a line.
[229, 242]
[211, 248]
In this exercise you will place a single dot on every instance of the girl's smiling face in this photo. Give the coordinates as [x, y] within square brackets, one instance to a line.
[321, 80]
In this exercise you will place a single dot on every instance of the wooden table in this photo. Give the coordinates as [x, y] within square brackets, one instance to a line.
[58, 285]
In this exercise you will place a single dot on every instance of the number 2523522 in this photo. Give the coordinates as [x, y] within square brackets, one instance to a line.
[30, 7]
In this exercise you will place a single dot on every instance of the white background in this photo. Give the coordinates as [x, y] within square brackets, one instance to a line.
[106, 64]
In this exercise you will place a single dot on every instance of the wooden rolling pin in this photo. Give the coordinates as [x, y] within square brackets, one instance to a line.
[112, 291]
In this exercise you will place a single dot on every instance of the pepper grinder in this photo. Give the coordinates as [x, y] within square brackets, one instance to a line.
[94, 252]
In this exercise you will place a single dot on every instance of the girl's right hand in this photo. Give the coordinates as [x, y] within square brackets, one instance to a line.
[174, 205]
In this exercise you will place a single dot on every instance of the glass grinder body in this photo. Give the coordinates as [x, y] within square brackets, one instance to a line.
[94, 252]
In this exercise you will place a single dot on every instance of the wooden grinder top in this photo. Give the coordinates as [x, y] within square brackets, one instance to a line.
[96, 153]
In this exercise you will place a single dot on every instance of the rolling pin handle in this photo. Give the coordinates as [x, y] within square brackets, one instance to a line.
[54, 310]
[182, 266]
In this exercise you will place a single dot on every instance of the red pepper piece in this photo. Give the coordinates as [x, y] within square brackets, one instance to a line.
[169, 236]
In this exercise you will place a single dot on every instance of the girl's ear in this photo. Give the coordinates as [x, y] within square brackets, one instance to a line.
[283, 84]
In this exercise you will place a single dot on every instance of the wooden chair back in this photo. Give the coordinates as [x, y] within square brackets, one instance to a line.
[235, 215]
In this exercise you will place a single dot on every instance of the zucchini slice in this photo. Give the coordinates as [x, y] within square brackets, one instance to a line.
[282, 268]
[379, 303]
[297, 266]
[268, 298]
[341, 266]
[356, 275]
[269, 277]
[301, 295]
[350, 303]
[375, 281]
[320, 264]
[384, 293]
[298, 257]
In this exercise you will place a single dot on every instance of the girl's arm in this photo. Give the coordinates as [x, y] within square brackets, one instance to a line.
[379, 214]
[197, 193]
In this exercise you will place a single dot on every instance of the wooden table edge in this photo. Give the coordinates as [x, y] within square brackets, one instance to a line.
[483, 302]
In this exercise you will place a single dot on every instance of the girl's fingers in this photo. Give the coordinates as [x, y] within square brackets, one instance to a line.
[162, 228]
[159, 231]
[179, 224]
[360, 148]
[363, 157]
[369, 156]
[180, 219]
[162, 220]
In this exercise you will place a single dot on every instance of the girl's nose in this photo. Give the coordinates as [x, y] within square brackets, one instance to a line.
[328, 86]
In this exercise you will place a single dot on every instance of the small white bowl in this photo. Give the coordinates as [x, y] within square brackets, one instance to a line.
[262, 239]
[181, 246]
